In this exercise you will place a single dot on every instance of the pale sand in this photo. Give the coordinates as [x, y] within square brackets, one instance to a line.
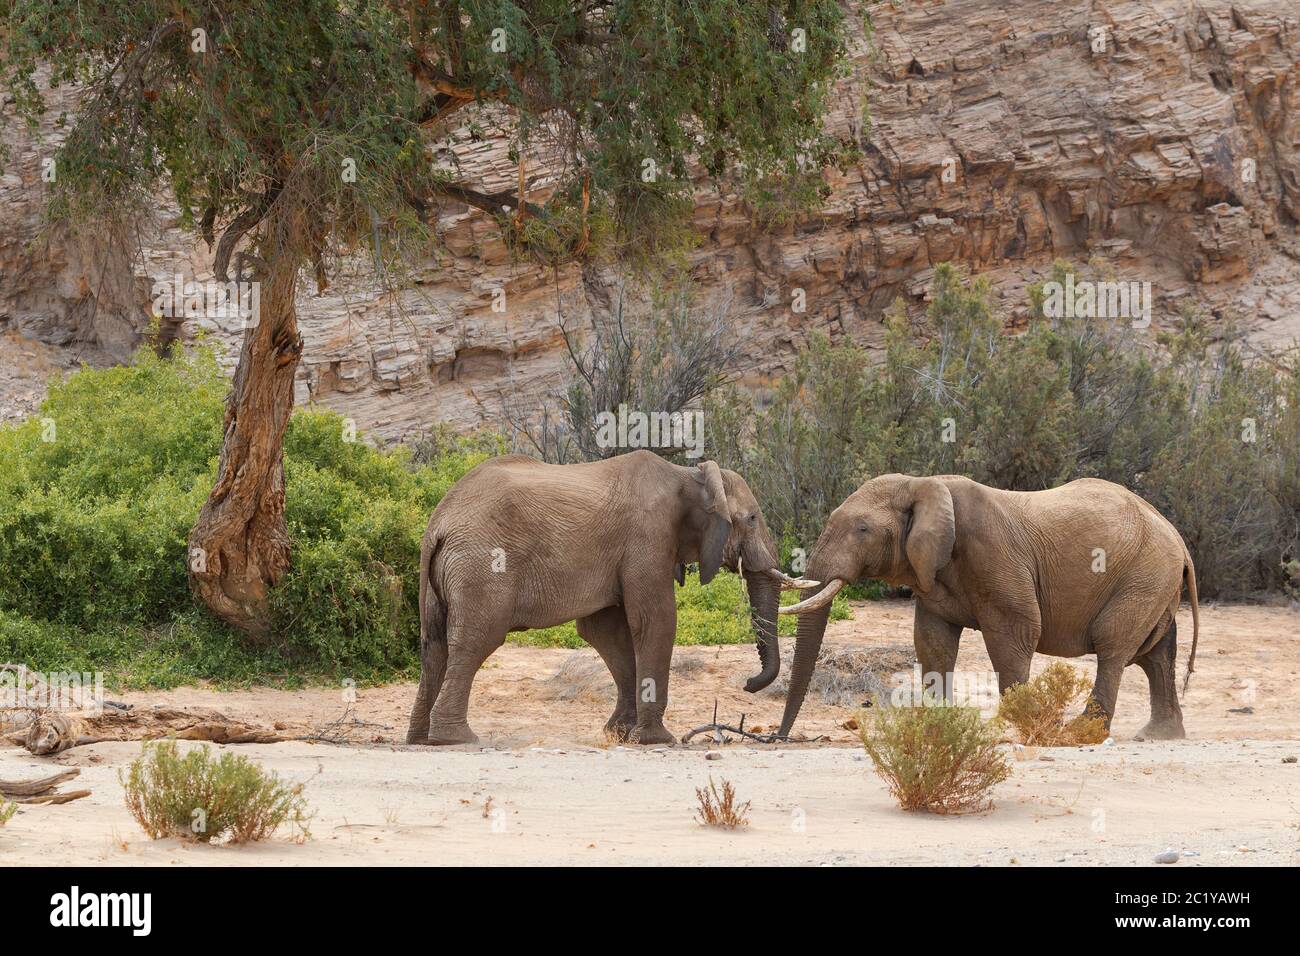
[1224, 793]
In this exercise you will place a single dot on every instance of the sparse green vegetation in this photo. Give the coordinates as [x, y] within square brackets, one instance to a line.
[192, 796]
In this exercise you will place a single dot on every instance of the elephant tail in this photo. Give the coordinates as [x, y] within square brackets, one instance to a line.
[1189, 574]
[433, 612]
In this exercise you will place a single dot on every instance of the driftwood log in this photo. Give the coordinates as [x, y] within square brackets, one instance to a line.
[52, 733]
[42, 790]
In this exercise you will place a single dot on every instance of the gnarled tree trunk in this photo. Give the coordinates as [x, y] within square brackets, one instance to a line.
[239, 546]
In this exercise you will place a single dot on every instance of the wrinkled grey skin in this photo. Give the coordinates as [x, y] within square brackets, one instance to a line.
[520, 544]
[1020, 567]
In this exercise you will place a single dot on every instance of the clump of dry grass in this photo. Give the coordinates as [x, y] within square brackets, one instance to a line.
[854, 676]
[1037, 709]
[936, 757]
[719, 808]
[7, 810]
[582, 677]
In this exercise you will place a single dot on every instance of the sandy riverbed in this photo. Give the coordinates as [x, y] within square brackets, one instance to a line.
[544, 787]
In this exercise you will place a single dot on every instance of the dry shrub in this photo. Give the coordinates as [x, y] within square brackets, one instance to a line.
[7, 810]
[193, 797]
[854, 676]
[582, 677]
[1037, 709]
[719, 808]
[936, 757]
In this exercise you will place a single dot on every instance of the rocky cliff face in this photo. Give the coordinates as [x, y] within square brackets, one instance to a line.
[1162, 136]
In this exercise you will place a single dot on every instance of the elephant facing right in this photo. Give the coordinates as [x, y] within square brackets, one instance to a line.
[1086, 568]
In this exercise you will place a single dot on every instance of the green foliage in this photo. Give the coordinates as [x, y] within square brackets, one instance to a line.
[100, 490]
[94, 523]
[189, 648]
[1065, 399]
[7, 811]
[936, 757]
[228, 102]
[191, 796]
[1037, 709]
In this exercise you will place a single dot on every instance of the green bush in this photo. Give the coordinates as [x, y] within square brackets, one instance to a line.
[7, 811]
[102, 486]
[194, 797]
[936, 756]
[188, 648]
[1067, 398]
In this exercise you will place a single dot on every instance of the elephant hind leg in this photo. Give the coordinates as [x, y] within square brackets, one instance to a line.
[433, 667]
[468, 646]
[608, 633]
[1117, 634]
[1159, 663]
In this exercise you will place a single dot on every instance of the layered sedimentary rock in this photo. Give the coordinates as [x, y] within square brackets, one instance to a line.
[1162, 136]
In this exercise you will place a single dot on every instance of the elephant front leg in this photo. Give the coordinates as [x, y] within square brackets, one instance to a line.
[652, 620]
[936, 642]
[1011, 640]
[608, 633]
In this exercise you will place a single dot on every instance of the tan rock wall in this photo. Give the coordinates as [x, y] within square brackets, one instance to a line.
[999, 137]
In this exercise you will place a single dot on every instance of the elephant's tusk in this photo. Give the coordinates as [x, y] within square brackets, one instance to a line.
[817, 601]
[792, 584]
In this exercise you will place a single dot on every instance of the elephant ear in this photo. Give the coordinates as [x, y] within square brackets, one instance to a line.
[717, 521]
[933, 530]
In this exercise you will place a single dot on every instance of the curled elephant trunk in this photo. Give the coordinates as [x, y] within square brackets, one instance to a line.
[764, 597]
[812, 628]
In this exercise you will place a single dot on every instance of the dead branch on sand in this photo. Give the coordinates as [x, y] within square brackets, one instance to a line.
[720, 731]
[42, 790]
[346, 729]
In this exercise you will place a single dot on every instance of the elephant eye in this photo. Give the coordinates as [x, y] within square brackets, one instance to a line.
[753, 519]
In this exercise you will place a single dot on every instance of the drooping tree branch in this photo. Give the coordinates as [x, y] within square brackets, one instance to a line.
[495, 203]
[240, 227]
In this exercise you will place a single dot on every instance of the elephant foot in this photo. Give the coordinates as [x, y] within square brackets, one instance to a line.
[443, 735]
[1166, 729]
[651, 734]
[619, 727]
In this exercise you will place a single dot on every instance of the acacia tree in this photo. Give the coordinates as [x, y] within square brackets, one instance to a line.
[293, 132]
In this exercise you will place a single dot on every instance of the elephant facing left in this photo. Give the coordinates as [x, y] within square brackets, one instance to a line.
[519, 544]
